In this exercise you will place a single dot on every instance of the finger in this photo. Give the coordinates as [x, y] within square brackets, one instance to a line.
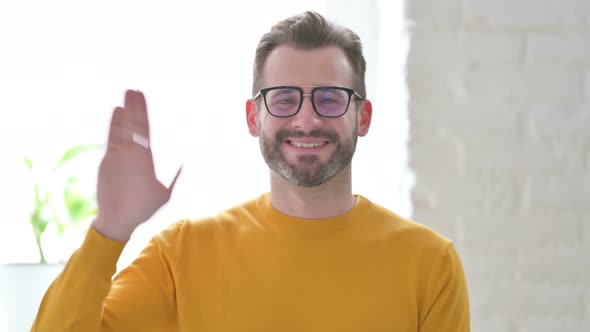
[136, 106]
[117, 128]
[128, 106]
[141, 117]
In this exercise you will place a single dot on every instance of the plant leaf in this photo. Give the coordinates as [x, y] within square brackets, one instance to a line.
[80, 207]
[29, 162]
[38, 222]
[61, 227]
[74, 152]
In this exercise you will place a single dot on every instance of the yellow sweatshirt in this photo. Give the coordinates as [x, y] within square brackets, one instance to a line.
[252, 268]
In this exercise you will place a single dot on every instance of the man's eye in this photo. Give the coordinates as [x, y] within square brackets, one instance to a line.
[285, 101]
[327, 101]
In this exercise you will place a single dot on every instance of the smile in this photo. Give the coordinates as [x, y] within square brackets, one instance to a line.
[307, 145]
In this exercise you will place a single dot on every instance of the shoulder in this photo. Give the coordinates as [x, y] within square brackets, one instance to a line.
[402, 231]
[212, 227]
[433, 256]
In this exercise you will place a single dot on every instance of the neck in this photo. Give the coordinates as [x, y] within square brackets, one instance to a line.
[327, 200]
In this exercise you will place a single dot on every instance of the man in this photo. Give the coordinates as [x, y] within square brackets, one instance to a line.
[307, 256]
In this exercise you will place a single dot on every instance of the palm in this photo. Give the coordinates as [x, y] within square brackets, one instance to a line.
[129, 192]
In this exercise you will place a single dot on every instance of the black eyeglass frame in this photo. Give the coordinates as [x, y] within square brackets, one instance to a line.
[350, 92]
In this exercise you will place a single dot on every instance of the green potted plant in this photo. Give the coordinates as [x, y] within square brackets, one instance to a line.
[67, 205]
[63, 205]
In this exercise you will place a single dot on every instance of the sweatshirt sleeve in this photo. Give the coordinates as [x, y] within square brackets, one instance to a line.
[85, 297]
[449, 309]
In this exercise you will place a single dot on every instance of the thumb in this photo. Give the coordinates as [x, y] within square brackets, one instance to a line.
[171, 187]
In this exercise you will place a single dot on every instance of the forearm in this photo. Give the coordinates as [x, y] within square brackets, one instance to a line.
[74, 300]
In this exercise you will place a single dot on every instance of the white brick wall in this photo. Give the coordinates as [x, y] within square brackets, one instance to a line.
[500, 147]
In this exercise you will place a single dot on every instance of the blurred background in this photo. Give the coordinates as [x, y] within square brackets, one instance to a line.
[481, 131]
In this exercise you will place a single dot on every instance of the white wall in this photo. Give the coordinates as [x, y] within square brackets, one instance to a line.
[500, 146]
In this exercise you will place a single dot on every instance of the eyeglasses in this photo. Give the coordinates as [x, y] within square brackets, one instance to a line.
[327, 101]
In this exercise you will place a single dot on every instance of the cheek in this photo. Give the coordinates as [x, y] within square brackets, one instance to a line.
[265, 127]
[269, 124]
[349, 125]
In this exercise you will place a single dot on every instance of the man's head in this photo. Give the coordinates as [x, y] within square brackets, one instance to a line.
[306, 108]
[308, 31]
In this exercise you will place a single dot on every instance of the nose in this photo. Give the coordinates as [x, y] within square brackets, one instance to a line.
[307, 119]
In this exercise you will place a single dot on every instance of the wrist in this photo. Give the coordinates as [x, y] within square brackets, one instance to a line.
[110, 230]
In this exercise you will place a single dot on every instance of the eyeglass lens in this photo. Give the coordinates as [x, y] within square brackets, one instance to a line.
[329, 102]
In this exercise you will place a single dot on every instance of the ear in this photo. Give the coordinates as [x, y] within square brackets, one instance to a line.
[364, 117]
[251, 117]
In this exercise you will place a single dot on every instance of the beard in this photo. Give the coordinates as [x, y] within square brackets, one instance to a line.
[308, 171]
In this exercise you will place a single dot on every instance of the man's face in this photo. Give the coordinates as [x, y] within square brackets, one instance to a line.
[307, 149]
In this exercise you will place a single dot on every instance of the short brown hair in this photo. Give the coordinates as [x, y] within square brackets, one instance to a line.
[311, 30]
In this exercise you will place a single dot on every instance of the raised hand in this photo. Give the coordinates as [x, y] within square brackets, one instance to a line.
[128, 192]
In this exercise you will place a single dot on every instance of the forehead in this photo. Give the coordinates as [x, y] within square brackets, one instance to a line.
[287, 65]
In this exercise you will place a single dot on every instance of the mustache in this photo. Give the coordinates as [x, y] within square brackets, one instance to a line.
[284, 134]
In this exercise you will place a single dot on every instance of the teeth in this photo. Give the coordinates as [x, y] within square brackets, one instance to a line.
[306, 145]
